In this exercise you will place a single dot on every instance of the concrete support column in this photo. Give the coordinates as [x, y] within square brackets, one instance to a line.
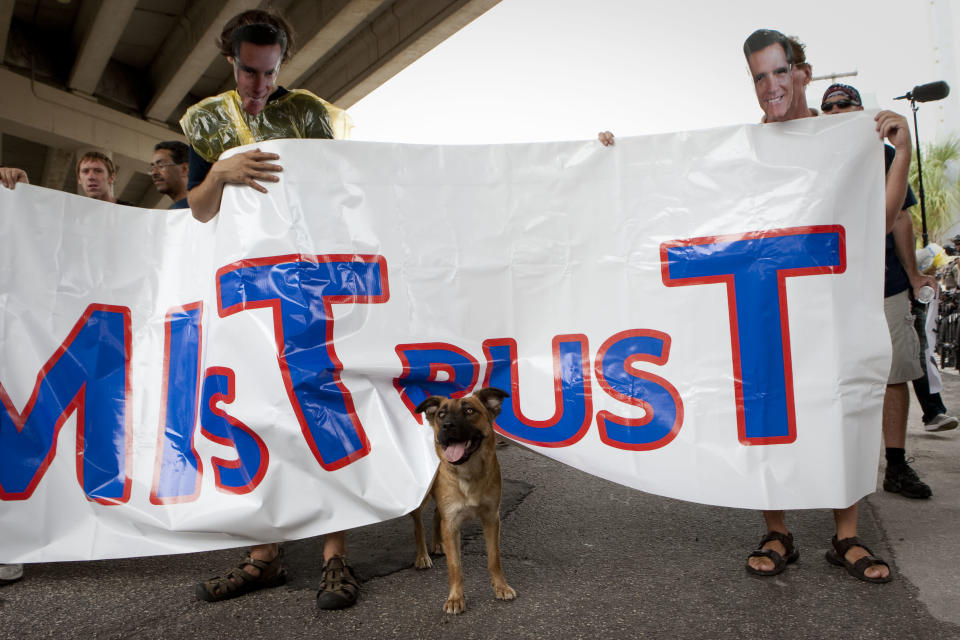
[58, 168]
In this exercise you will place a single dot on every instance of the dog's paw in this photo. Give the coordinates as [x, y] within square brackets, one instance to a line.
[436, 549]
[455, 605]
[423, 562]
[504, 592]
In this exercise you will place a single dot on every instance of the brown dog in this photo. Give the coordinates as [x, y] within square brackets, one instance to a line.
[467, 486]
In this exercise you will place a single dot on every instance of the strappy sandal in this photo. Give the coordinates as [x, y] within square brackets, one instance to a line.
[238, 581]
[340, 588]
[779, 562]
[838, 556]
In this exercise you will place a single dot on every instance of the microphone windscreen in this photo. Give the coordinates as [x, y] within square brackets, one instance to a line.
[931, 91]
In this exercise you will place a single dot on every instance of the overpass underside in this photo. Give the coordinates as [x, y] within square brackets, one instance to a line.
[116, 75]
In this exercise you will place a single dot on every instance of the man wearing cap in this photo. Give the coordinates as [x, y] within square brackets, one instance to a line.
[901, 275]
[256, 43]
[771, 59]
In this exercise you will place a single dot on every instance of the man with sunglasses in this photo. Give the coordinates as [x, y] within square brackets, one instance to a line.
[901, 275]
[840, 98]
[256, 43]
[770, 58]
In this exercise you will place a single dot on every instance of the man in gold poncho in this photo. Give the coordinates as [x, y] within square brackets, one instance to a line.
[256, 43]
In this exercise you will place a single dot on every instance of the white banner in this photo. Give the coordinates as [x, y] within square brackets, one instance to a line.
[696, 315]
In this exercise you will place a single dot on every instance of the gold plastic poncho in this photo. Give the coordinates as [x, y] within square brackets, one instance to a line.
[216, 124]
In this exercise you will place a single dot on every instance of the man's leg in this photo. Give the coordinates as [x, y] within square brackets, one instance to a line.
[899, 477]
[340, 587]
[896, 407]
[334, 544]
[264, 552]
[931, 403]
[935, 416]
[904, 366]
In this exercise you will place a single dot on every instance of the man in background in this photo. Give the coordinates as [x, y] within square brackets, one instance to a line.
[901, 278]
[96, 174]
[10, 176]
[168, 170]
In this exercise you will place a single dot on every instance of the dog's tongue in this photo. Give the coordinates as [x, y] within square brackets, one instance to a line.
[454, 451]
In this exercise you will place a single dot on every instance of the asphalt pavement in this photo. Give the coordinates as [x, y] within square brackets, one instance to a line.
[588, 558]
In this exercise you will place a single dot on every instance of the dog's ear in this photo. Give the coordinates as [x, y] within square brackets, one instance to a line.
[492, 398]
[430, 405]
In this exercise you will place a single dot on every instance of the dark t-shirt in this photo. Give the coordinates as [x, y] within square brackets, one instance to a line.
[895, 277]
[199, 168]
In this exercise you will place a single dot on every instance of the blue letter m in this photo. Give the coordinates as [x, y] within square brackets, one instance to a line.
[89, 375]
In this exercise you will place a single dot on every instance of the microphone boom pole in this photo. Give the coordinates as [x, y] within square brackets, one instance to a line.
[923, 207]
[923, 93]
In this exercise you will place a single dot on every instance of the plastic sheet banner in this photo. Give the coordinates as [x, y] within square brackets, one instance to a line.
[696, 315]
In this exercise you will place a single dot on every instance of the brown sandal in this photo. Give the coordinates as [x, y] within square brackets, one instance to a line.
[238, 581]
[340, 587]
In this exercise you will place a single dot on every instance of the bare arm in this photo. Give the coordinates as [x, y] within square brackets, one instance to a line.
[244, 168]
[904, 243]
[10, 176]
[893, 127]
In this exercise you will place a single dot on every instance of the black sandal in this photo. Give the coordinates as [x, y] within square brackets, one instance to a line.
[779, 562]
[838, 556]
[238, 582]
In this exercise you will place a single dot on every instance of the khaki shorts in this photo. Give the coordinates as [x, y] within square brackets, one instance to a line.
[905, 365]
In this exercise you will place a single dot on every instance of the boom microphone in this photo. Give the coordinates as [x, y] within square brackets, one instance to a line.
[927, 92]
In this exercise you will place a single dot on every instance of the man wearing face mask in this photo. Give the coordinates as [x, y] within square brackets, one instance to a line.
[256, 43]
[802, 75]
[780, 85]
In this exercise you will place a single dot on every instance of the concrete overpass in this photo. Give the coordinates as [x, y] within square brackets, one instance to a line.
[116, 75]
